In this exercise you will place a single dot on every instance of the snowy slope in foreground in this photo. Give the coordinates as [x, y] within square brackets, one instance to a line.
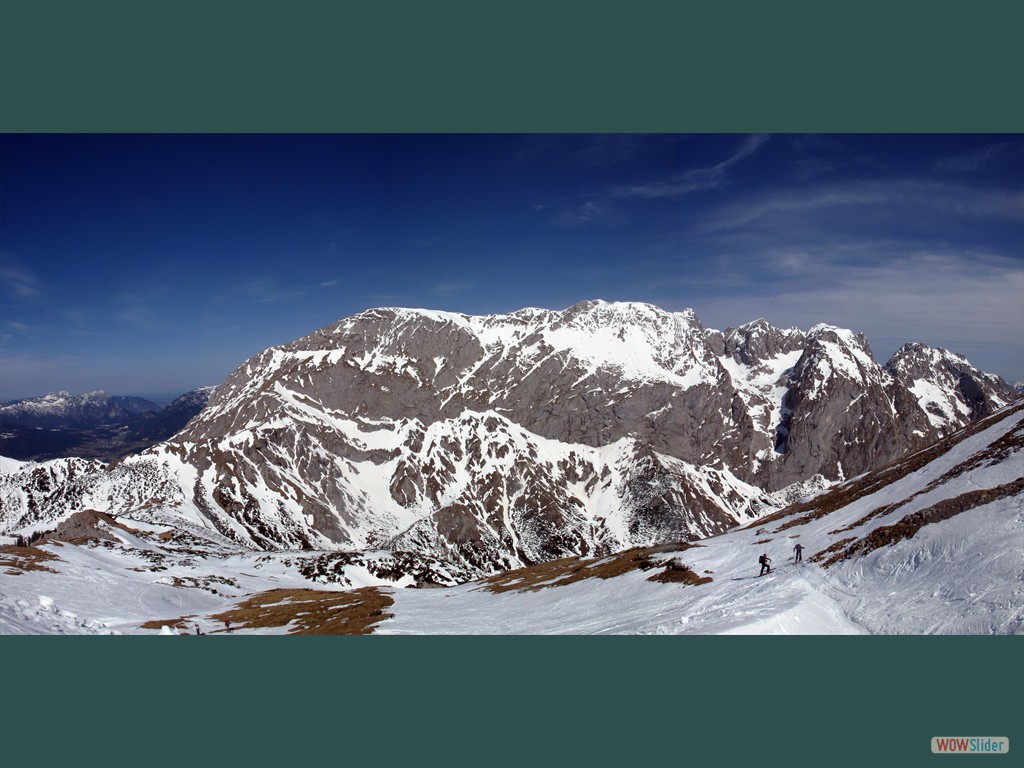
[930, 544]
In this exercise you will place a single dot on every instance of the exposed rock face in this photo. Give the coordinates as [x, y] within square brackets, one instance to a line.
[505, 440]
[840, 415]
[946, 386]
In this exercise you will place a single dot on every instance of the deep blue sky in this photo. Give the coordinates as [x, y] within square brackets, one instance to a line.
[152, 264]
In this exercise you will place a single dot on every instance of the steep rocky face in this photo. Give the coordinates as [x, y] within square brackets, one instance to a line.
[756, 344]
[590, 375]
[841, 412]
[504, 440]
[946, 387]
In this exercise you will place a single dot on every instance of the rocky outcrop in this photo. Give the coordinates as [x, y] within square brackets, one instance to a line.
[946, 387]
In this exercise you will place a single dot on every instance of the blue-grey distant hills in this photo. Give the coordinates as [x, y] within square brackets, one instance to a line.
[93, 425]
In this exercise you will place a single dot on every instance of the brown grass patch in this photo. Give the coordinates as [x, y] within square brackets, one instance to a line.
[20, 559]
[312, 612]
[763, 541]
[568, 570]
[817, 557]
[181, 623]
[679, 573]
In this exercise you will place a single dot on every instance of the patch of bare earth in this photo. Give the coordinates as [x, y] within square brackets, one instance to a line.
[912, 523]
[311, 611]
[181, 623]
[568, 570]
[677, 572]
[817, 557]
[17, 560]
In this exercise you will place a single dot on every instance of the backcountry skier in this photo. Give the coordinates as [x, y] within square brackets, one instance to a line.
[766, 564]
[799, 550]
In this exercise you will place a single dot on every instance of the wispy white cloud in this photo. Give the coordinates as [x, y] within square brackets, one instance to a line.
[606, 207]
[886, 198]
[452, 288]
[695, 179]
[328, 283]
[137, 317]
[136, 311]
[613, 148]
[18, 327]
[983, 158]
[590, 213]
[80, 322]
[955, 300]
[20, 281]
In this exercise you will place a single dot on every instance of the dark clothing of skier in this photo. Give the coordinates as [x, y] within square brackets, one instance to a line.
[766, 566]
[799, 549]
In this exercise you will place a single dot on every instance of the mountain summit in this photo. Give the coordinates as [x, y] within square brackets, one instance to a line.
[504, 440]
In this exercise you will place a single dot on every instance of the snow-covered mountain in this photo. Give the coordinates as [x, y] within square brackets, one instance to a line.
[492, 442]
[64, 409]
[94, 425]
[929, 544]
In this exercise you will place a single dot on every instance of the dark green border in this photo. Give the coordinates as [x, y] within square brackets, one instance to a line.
[709, 701]
[476, 66]
[467, 65]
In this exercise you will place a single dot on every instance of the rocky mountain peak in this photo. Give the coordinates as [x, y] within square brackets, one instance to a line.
[946, 386]
[500, 440]
[915, 360]
[755, 343]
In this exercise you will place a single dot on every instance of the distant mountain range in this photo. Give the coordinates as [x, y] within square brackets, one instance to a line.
[494, 442]
[92, 425]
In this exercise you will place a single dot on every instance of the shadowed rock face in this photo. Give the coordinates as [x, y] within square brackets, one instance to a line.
[844, 414]
[511, 439]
